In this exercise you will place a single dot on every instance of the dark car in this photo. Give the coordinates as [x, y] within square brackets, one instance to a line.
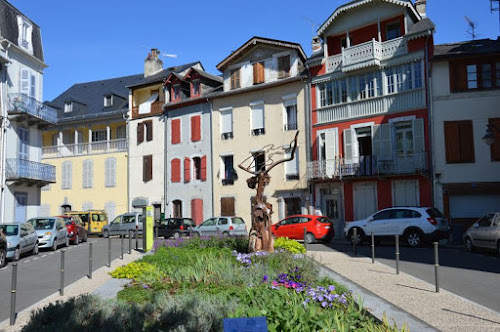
[3, 249]
[76, 230]
[176, 227]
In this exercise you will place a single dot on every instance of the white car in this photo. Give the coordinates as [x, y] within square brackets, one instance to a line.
[484, 233]
[413, 224]
[224, 226]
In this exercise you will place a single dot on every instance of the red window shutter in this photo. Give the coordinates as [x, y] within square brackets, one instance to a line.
[187, 169]
[175, 170]
[451, 141]
[495, 147]
[466, 142]
[197, 210]
[176, 131]
[204, 168]
[140, 133]
[147, 168]
[195, 128]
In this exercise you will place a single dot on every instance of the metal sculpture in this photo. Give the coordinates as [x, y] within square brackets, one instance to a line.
[260, 236]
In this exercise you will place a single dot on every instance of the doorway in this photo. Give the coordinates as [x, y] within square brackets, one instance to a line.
[21, 203]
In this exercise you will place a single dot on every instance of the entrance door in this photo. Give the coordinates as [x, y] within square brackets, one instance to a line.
[331, 207]
[365, 200]
[21, 201]
[177, 207]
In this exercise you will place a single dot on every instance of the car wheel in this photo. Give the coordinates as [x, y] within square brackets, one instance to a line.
[17, 254]
[196, 234]
[225, 234]
[105, 233]
[2, 257]
[468, 245]
[177, 235]
[77, 239]
[310, 238]
[414, 238]
[359, 236]
[54, 245]
[35, 249]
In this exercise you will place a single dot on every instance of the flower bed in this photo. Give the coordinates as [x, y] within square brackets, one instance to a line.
[192, 284]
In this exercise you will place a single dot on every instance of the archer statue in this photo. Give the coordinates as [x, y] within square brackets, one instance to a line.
[260, 236]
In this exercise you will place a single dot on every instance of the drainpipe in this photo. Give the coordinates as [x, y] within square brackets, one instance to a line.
[429, 118]
[308, 110]
[126, 118]
[211, 157]
[3, 133]
[165, 159]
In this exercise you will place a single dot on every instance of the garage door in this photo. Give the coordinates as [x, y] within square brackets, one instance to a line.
[405, 193]
[473, 206]
[365, 200]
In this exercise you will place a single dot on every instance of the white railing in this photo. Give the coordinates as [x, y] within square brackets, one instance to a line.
[362, 166]
[84, 148]
[365, 54]
[405, 100]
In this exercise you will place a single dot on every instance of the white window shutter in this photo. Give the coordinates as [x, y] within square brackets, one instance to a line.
[376, 140]
[418, 135]
[292, 166]
[226, 122]
[70, 175]
[258, 117]
[33, 86]
[91, 174]
[331, 145]
[113, 172]
[386, 141]
[348, 153]
[24, 86]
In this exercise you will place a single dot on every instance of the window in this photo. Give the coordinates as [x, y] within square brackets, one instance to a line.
[121, 132]
[176, 92]
[226, 118]
[140, 133]
[404, 139]
[393, 30]
[68, 107]
[108, 101]
[228, 173]
[196, 87]
[177, 208]
[175, 168]
[334, 92]
[25, 33]
[227, 206]
[195, 128]
[343, 42]
[66, 175]
[88, 174]
[149, 130]
[99, 135]
[284, 66]
[471, 77]
[197, 168]
[235, 78]
[484, 74]
[459, 141]
[23, 143]
[257, 119]
[147, 168]
[292, 206]
[290, 114]
[258, 73]
[176, 131]
[110, 172]
[292, 166]
[259, 160]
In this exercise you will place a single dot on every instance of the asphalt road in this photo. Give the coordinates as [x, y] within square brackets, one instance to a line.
[39, 276]
[474, 276]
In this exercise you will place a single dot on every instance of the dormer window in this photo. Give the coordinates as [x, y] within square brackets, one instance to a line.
[235, 78]
[258, 73]
[284, 66]
[25, 32]
[68, 107]
[177, 91]
[393, 30]
[108, 101]
[196, 87]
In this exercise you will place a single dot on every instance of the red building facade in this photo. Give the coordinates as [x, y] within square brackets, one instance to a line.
[369, 109]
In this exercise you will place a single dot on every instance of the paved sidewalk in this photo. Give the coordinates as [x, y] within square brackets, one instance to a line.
[443, 311]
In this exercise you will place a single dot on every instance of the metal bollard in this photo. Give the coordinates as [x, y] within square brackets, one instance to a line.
[136, 239]
[397, 254]
[121, 239]
[436, 265]
[129, 242]
[305, 242]
[156, 232]
[373, 249]
[355, 242]
[61, 289]
[13, 293]
[90, 260]
[109, 251]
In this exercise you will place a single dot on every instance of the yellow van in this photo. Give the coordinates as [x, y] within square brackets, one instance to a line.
[93, 220]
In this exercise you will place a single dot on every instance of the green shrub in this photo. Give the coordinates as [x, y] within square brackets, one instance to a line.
[135, 270]
[289, 245]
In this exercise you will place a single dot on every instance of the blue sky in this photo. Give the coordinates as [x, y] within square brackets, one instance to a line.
[92, 40]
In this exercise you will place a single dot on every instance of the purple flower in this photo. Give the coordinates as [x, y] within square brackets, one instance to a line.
[331, 288]
[324, 304]
[145, 286]
[264, 279]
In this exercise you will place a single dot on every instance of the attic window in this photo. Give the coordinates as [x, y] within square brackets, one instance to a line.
[196, 87]
[108, 101]
[25, 31]
[68, 107]
[393, 30]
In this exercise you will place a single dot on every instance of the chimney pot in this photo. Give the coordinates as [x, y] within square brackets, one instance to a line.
[316, 44]
[420, 5]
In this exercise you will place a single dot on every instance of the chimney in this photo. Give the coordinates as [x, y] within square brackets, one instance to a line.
[316, 44]
[420, 6]
[152, 64]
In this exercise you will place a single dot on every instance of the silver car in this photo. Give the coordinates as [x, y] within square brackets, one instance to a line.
[484, 233]
[224, 226]
[51, 232]
[123, 224]
[21, 238]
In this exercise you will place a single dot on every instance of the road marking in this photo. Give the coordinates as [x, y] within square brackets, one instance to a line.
[35, 258]
[51, 253]
[44, 256]
[27, 261]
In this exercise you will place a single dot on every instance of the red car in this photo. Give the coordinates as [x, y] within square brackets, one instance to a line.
[317, 228]
[76, 231]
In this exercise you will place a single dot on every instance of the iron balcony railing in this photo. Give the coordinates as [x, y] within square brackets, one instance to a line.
[22, 104]
[21, 169]
[362, 166]
[66, 150]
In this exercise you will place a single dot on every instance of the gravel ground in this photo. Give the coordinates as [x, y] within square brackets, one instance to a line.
[82, 286]
[444, 311]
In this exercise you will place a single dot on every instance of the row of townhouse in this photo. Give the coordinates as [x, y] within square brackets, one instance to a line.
[385, 118]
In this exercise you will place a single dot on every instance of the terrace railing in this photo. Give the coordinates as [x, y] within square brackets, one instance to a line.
[66, 150]
[21, 104]
[21, 169]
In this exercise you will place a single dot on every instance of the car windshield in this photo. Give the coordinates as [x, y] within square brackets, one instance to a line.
[42, 223]
[434, 213]
[238, 221]
[10, 230]
[324, 220]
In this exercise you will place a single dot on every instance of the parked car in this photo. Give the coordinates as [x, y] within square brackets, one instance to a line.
[21, 238]
[317, 228]
[176, 227]
[93, 220]
[123, 224]
[76, 231]
[3, 249]
[51, 232]
[413, 224]
[484, 233]
[224, 225]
